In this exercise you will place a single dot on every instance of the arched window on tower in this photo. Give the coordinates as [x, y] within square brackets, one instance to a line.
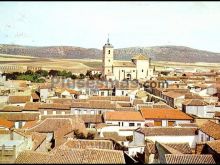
[109, 51]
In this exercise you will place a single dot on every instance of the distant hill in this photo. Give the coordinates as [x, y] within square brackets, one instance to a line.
[156, 53]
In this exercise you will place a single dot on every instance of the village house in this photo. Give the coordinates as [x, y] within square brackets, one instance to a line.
[199, 108]
[164, 117]
[123, 122]
[18, 115]
[167, 135]
[209, 147]
[54, 108]
[209, 131]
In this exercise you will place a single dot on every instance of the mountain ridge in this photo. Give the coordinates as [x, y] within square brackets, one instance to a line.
[156, 53]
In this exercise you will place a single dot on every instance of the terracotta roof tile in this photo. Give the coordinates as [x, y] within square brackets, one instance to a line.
[83, 144]
[73, 156]
[32, 106]
[11, 108]
[115, 136]
[35, 96]
[172, 94]
[189, 159]
[86, 118]
[19, 99]
[123, 64]
[194, 102]
[211, 128]
[140, 57]
[19, 116]
[123, 116]
[6, 123]
[54, 106]
[215, 145]
[167, 131]
[37, 139]
[153, 113]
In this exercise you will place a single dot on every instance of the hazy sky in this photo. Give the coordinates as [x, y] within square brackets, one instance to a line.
[87, 24]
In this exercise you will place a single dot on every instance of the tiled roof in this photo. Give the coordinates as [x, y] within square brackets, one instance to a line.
[6, 123]
[215, 145]
[172, 94]
[115, 136]
[123, 116]
[60, 126]
[73, 156]
[86, 118]
[35, 96]
[189, 159]
[98, 156]
[62, 101]
[83, 144]
[94, 104]
[30, 124]
[54, 106]
[32, 106]
[123, 64]
[19, 99]
[184, 148]
[140, 57]
[112, 98]
[188, 125]
[192, 96]
[11, 108]
[212, 129]
[19, 116]
[32, 157]
[167, 131]
[37, 139]
[154, 113]
[194, 102]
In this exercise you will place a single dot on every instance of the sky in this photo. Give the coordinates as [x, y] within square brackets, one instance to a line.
[129, 24]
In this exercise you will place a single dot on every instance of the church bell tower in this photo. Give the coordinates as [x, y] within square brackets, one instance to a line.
[107, 59]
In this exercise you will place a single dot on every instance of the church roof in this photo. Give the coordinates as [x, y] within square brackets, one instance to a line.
[140, 57]
[123, 64]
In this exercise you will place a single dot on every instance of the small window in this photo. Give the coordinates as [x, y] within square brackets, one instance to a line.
[109, 51]
[119, 124]
[102, 93]
[133, 70]
[131, 124]
[122, 70]
[138, 124]
[109, 60]
[122, 92]
[142, 70]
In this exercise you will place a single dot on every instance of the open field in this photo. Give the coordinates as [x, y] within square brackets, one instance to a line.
[82, 65]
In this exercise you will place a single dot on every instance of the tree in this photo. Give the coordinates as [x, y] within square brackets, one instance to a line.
[81, 76]
[29, 72]
[53, 73]
[73, 76]
[79, 135]
[43, 73]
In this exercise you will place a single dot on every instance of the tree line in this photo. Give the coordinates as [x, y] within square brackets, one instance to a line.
[40, 76]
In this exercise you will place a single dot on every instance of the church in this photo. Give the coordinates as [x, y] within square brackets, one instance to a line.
[138, 68]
